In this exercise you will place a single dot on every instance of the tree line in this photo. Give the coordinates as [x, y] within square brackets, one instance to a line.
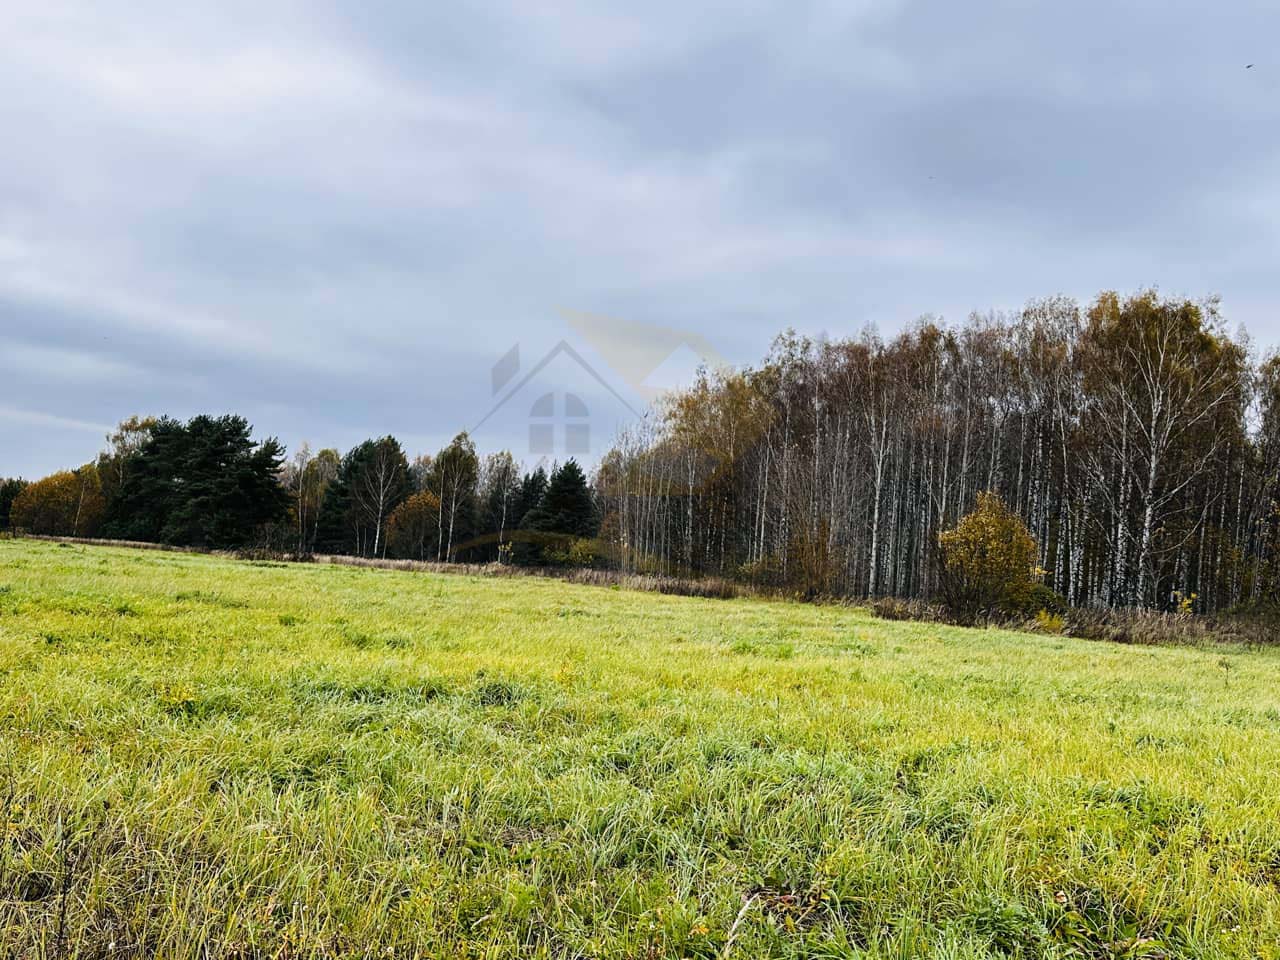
[1136, 437]
[207, 483]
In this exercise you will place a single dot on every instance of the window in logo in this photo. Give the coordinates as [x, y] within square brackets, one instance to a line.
[575, 421]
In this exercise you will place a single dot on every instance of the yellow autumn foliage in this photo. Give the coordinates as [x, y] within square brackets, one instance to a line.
[988, 561]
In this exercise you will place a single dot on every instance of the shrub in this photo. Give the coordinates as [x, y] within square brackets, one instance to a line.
[766, 570]
[582, 553]
[987, 563]
[1042, 597]
[577, 552]
[1047, 622]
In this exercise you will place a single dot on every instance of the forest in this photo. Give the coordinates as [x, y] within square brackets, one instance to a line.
[1137, 438]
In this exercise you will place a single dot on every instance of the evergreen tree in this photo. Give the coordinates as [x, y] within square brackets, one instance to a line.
[202, 483]
[565, 513]
[532, 487]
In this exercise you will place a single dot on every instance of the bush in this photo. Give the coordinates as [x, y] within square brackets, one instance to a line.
[1041, 599]
[570, 552]
[582, 552]
[987, 564]
[767, 570]
[1047, 622]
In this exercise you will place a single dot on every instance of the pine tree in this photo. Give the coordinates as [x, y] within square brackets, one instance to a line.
[565, 513]
[202, 483]
[532, 487]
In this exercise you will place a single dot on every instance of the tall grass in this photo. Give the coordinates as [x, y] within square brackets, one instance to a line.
[204, 757]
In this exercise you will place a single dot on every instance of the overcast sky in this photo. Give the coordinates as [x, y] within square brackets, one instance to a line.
[334, 220]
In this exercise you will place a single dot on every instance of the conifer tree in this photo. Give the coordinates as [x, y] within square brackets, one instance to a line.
[565, 513]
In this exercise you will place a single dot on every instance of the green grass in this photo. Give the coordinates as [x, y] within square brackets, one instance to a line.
[207, 758]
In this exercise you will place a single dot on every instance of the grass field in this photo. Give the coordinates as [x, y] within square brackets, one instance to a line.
[208, 758]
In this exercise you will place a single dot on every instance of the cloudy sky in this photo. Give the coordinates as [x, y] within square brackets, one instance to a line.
[336, 219]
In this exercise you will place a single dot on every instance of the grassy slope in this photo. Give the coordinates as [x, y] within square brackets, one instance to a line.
[231, 759]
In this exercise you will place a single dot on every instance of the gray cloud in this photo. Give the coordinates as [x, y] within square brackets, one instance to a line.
[333, 219]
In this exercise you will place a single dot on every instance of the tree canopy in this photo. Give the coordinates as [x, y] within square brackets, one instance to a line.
[564, 513]
[200, 483]
[1135, 437]
[988, 561]
[371, 481]
[68, 503]
[9, 490]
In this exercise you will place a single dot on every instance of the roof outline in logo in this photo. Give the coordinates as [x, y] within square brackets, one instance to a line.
[562, 347]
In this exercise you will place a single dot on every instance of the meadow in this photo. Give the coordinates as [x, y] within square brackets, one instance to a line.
[206, 758]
